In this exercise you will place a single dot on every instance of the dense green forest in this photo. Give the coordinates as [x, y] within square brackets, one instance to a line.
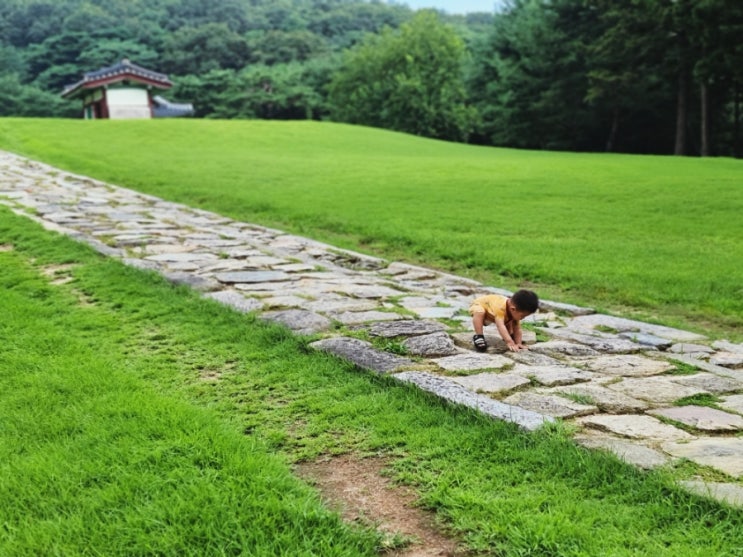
[643, 76]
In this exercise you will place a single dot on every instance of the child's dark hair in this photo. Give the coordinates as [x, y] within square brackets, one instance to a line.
[525, 300]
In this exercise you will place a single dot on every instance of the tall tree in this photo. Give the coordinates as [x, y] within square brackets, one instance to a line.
[407, 80]
[532, 83]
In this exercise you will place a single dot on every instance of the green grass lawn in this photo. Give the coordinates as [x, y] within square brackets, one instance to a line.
[656, 236]
[116, 439]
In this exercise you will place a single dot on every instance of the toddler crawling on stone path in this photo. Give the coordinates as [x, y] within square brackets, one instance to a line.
[506, 313]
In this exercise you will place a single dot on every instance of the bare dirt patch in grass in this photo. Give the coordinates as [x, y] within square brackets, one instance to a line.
[356, 488]
[60, 274]
[6, 247]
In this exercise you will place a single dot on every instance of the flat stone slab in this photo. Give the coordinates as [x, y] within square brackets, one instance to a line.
[300, 321]
[274, 302]
[472, 361]
[533, 358]
[492, 382]
[366, 292]
[408, 328]
[551, 405]
[155, 249]
[249, 277]
[722, 453]
[563, 348]
[620, 324]
[635, 427]
[626, 450]
[647, 340]
[658, 390]
[181, 257]
[235, 300]
[457, 394]
[553, 375]
[727, 346]
[706, 366]
[341, 305]
[727, 359]
[710, 382]
[732, 494]
[433, 345]
[701, 418]
[363, 354]
[196, 282]
[734, 403]
[606, 399]
[627, 365]
[358, 317]
[689, 348]
[600, 343]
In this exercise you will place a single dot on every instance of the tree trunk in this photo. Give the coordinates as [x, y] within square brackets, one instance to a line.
[681, 109]
[736, 122]
[612, 140]
[704, 124]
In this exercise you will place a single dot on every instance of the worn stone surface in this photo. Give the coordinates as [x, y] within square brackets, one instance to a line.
[710, 383]
[600, 343]
[647, 339]
[629, 451]
[451, 391]
[553, 375]
[534, 358]
[203, 284]
[557, 348]
[472, 361]
[727, 346]
[627, 365]
[357, 317]
[727, 359]
[722, 453]
[363, 354]
[711, 368]
[635, 427]
[734, 403]
[408, 327]
[607, 400]
[659, 390]
[300, 321]
[433, 345]
[276, 302]
[252, 276]
[236, 300]
[688, 348]
[701, 417]
[492, 382]
[550, 405]
[729, 493]
[621, 324]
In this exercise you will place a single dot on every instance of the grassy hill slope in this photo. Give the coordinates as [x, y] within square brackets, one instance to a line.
[656, 235]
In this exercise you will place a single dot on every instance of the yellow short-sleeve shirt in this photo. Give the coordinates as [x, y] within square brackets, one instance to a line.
[492, 305]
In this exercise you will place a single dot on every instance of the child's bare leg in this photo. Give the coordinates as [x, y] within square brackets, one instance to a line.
[478, 321]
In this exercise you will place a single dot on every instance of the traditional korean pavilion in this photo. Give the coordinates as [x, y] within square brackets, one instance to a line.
[125, 91]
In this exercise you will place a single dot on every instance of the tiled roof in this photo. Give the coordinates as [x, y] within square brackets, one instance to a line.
[118, 72]
[163, 108]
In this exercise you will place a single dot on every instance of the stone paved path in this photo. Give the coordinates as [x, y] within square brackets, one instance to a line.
[616, 379]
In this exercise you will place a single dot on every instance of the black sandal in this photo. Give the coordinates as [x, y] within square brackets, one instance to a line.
[479, 342]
